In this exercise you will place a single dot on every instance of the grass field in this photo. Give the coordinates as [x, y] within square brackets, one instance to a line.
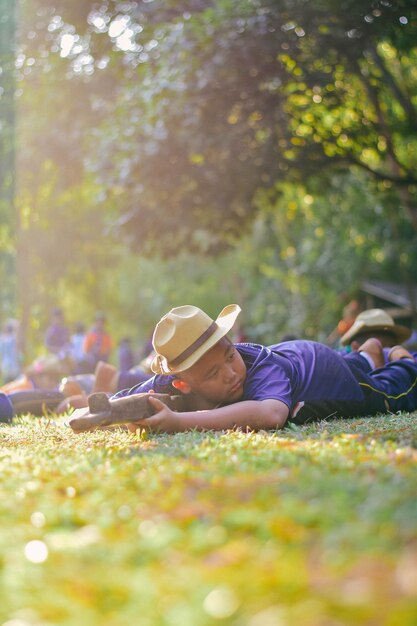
[311, 526]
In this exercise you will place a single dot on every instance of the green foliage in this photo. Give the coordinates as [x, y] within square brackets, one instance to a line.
[7, 156]
[192, 109]
[245, 95]
[309, 526]
[282, 132]
[289, 273]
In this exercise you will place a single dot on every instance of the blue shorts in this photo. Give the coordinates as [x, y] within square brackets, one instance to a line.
[395, 383]
[389, 389]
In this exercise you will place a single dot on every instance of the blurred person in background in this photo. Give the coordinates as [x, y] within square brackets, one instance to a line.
[10, 358]
[125, 355]
[350, 312]
[378, 324]
[78, 357]
[57, 336]
[98, 343]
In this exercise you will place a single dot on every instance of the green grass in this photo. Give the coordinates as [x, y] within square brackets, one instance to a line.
[310, 526]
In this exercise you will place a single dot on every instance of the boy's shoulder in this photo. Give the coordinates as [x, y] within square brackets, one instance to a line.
[294, 351]
[156, 383]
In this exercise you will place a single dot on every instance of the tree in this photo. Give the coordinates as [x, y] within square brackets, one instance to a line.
[241, 95]
[194, 107]
[161, 124]
[7, 154]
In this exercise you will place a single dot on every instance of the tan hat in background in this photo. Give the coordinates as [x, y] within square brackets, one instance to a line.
[375, 320]
[185, 334]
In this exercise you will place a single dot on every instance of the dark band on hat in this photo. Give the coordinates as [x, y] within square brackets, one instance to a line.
[195, 345]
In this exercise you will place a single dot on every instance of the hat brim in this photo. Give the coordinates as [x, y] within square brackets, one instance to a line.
[402, 333]
[225, 322]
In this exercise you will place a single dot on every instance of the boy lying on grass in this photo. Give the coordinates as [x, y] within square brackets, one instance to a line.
[257, 387]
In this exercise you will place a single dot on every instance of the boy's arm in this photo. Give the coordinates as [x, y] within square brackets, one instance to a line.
[252, 414]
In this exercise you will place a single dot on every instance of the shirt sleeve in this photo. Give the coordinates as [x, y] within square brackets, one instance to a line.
[158, 384]
[267, 380]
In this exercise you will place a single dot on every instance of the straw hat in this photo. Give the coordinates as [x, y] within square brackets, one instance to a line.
[376, 320]
[185, 334]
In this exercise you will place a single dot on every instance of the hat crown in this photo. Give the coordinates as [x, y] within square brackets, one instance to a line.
[375, 317]
[179, 329]
[185, 334]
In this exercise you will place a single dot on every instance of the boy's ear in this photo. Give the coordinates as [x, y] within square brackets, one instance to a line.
[181, 385]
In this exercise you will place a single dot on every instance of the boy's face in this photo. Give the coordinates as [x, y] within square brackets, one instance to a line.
[218, 377]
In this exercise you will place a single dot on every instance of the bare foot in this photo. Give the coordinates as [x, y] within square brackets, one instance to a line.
[106, 377]
[399, 352]
[72, 402]
[373, 348]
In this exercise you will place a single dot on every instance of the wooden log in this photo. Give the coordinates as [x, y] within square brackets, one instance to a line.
[103, 412]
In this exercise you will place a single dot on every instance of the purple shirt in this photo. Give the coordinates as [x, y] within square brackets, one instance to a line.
[57, 337]
[297, 371]
[309, 377]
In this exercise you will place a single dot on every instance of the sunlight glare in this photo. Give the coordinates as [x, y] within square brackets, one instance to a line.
[36, 551]
[67, 42]
[221, 603]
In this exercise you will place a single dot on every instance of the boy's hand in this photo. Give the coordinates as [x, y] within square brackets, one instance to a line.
[165, 420]
[248, 414]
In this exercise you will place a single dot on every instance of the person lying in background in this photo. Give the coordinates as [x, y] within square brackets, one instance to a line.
[379, 324]
[255, 387]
